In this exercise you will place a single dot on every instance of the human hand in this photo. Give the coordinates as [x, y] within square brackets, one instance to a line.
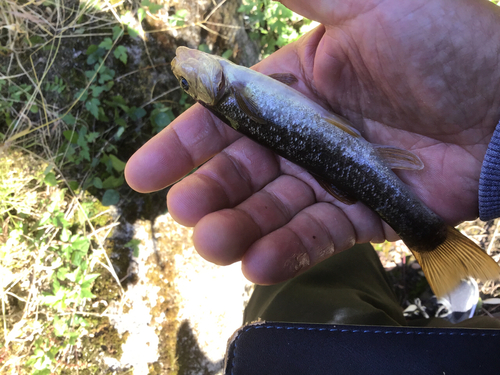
[419, 75]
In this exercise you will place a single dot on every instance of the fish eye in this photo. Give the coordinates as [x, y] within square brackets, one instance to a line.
[184, 84]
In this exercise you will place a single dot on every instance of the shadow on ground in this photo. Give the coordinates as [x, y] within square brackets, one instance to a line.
[190, 358]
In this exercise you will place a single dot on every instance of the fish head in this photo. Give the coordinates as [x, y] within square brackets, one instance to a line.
[199, 74]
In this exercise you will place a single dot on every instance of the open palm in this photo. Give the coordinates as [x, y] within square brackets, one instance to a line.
[415, 74]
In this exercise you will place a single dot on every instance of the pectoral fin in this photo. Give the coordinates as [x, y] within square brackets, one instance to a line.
[333, 191]
[397, 158]
[343, 125]
[286, 78]
[246, 104]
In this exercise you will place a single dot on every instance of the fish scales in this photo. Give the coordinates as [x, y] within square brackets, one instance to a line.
[319, 149]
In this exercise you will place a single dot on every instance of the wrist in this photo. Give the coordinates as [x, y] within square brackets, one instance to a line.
[489, 181]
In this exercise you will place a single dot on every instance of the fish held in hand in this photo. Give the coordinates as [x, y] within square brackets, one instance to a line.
[269, 111]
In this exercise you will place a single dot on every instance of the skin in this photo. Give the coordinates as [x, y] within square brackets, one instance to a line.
[419, 75]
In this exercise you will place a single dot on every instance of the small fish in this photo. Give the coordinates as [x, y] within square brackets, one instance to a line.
[269, 111]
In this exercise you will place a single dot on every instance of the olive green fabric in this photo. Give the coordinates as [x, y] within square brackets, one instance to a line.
[348, 288]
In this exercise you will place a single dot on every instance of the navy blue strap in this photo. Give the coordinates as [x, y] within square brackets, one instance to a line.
[289, 348]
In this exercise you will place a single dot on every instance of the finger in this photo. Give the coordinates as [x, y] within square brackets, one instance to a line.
[190, 140]
[311, 236]
[328, 11]
[230, 177]
[224, 236]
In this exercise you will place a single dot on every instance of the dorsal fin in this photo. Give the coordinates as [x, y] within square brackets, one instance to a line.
[398, 158]
[286, 78]
[343, 125]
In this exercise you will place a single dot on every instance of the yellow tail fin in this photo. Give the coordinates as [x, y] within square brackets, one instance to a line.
[455, 259]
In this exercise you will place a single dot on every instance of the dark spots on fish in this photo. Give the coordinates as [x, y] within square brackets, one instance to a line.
[314, 237]
[184, 84]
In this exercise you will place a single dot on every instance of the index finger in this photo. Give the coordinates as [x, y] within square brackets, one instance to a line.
[193, 138]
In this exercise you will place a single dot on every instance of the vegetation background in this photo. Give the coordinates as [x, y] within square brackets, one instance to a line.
[83, 84]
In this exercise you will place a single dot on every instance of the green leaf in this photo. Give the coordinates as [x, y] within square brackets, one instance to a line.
[69, 119]
[91, 277]
[107, 44]
[34, 108]
[110, 197]
[86, 293]
[204, 48]
[134, 245]
[97, 90]
[93, 107]
[91, 49]
[141, 14]
[81, 244]
[74, 185]
[132, 32]
[84, 95]
[50, 179]
[121, 53]
[113, 182]
[182, 13]
[136, 113]
[62, 272]
[70, 136]
[117, 32]
[76, 258]
[97, 182]
[227, 54]
[118, 165]
[45, 218]
[119, 132]
[92, 136]
[121, 122]
[154, 8]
